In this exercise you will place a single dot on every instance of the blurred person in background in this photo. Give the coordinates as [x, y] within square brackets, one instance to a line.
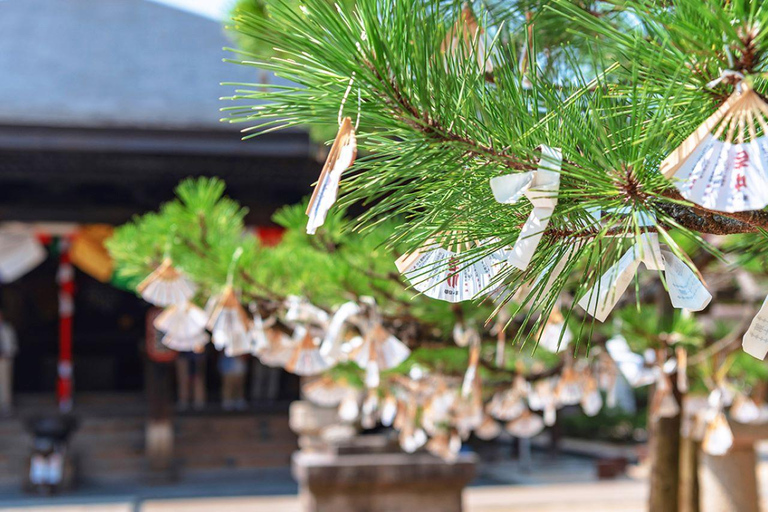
[190, 380]
[232, 371]
[8, 349]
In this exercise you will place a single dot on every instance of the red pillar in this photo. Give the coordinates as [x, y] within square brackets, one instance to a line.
[66, 283]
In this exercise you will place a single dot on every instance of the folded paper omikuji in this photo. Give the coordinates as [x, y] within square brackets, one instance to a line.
[755, 342]
[685, 288]
[380, 350]
[488, 430]
[181, 321]
[19, 254]
[272, 346]
[540, 187]
[467, 39]
[325, 391]
[591, 399]
[166, 286]
[451, 275]
[718, 437]
[631, 365]
[229, 323]
[722, 165]
[332, 347]
[340, 158]
[555, 335]
[306, 359]
[526, 426]
[509, 404]
[194, 343]
[274, 349]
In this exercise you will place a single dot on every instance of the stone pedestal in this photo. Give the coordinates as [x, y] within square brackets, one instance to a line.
[728, 483]
[346, 480]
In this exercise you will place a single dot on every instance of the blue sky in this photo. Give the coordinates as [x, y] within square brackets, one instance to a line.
[214, 9]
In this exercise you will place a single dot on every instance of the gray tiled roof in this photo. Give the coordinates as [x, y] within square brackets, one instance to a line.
[119, 63]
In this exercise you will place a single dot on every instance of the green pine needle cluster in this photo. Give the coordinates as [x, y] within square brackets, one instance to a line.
[616, 85]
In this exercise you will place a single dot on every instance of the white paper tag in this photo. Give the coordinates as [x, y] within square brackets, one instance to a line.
[541, 188]
[755, 341]
[508, 189]
[648, 251]
[685, 288]
[602, 298]
[529, 238]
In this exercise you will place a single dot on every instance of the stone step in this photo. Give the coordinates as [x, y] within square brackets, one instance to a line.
[235, 448]
[221, 461]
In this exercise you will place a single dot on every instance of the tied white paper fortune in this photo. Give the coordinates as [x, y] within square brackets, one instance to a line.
[631, 365]
[182, 320]
[229, 323]
[439, 273]
[340, 158]
[380, 350]
[166, 286]
[722, 165]
[306, 359]
[333, 342]
[540, 187]
[685, 288]
[755, 342]
[19, 253]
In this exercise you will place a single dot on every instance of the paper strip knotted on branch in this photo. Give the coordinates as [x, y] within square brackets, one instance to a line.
[631, 365]
[467, 39]
[471, 381]
[488, 430]
[166, 286]
[229, 323]
[526, 426]
[441, 274]
[333, 342]
[380, 350]
[306, 359]
[685, 288]
[722, 165]
[299, 310]
[194, 343]
[275, 349]
[340, 158]
[325, 391]
[540, 187]
[272, 346]
[755, 342]
[181, 320]
[555, 335]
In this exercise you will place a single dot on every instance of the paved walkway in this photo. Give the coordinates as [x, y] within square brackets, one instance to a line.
[624, 496]
[552, 485]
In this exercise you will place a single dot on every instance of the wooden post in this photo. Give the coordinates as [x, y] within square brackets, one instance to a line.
[665, 464]
[664, 443]
[729, 482]
[689, 476]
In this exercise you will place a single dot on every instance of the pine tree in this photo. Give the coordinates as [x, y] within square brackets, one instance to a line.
[444, 98]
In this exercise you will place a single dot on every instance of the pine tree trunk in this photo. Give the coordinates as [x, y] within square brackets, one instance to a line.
[664, 443]
[665, 464]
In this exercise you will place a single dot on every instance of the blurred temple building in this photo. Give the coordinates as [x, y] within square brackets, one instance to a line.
[104, 107]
